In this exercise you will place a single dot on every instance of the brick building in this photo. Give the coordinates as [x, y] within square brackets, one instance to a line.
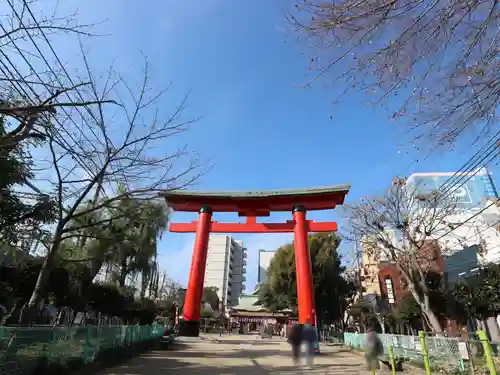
[391, 284]
[383, 277]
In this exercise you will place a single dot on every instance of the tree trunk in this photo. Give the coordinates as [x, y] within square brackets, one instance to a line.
[433, 319]
[123, 274]
[36, 296]
[8, 314]
[422, 302]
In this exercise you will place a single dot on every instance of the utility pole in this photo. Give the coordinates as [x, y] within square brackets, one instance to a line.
[359, 266]
[360, 278]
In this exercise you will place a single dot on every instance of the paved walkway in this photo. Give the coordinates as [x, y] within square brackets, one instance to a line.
[238, 355]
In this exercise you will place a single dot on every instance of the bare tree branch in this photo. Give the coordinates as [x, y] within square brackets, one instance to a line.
[433, 64]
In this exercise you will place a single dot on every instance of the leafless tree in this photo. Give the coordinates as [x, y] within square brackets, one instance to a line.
[129, 144]
[403, 228]
[105, 137]
[433, 64]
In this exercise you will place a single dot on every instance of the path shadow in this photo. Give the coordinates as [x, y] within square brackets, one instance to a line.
[246, 342]
[167, 366]
[236, 353]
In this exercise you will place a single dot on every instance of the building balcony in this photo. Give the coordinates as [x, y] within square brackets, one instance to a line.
[244, 253]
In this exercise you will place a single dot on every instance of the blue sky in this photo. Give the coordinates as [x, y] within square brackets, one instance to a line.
[260, 130]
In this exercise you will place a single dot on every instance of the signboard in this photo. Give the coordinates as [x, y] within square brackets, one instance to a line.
[469, 190]
[390, 291]
[249, 319]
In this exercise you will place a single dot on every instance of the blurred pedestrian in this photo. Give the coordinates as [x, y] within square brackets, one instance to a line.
[373, 350]
[309, 337]
[295, 339]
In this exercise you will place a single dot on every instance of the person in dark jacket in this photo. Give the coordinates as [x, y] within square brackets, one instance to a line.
[295, 339]
[309, 338]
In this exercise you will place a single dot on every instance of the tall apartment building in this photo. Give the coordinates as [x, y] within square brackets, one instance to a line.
[226, 268]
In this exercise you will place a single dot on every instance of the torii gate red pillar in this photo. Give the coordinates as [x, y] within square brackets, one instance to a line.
[190, 325]
[305, 287]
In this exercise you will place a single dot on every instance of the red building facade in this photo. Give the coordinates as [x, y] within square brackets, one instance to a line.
[430, 258]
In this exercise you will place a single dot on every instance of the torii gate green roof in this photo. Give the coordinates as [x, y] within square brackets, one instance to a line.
[258, 193]
[319, 198]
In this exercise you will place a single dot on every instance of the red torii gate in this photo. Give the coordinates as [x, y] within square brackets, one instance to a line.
[251, 205]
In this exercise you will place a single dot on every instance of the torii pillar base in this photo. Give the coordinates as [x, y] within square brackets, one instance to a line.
[189, 328]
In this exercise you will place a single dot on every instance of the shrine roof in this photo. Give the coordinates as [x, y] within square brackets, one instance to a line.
[320, 198]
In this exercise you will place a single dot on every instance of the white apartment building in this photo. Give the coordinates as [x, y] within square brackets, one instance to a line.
[471, 236]
[226, 268]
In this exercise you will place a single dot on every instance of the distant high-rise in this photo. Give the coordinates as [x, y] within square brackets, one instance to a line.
[226, 268]
[265, 258]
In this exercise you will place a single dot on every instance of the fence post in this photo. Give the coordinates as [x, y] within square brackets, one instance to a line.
[391, 358]
[483, 337]
[87, 351]
[425, 352]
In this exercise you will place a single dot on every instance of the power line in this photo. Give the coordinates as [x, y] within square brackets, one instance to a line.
[92, 114]
[468, 219]
[492, 149]
[475, 160]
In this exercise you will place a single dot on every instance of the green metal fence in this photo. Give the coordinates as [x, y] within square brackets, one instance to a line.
[22, 348]
[437, 353]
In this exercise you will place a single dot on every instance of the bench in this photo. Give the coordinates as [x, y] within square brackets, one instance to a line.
[167, 340]
[398, 362]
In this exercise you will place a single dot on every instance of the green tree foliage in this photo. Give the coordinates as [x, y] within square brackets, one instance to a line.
[330, 287]
[125, 241]
[17, 284]
[408, 310]
[358, 311]
[206, 313]
[121, 237]
[17, 215]
[479, 296]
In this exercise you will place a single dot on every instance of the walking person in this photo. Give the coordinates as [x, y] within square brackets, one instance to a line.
[308, 339]
[295, 339]
[373, 350]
